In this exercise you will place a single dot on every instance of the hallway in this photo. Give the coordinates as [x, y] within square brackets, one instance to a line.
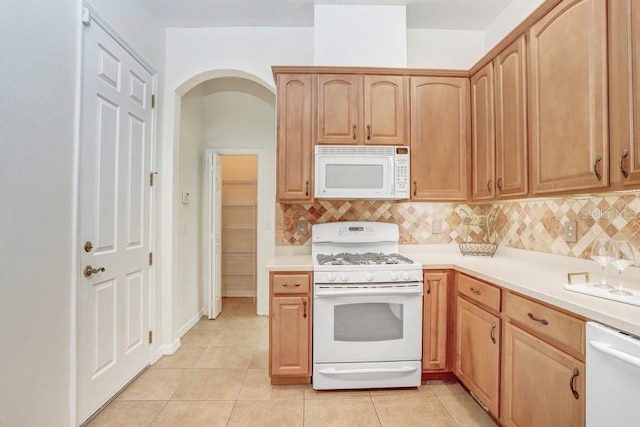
[219, 377]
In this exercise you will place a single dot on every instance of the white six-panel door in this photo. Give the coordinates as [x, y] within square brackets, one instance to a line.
[114, 204]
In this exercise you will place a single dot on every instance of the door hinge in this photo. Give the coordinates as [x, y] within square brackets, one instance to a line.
[153, 101]
[150, 258]
[150, 337]
[86, 16]
[151, 178]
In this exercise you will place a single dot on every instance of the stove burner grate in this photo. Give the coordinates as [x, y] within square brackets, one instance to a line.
[368, 258]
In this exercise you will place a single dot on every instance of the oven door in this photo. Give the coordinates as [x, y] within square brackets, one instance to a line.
[368, 323]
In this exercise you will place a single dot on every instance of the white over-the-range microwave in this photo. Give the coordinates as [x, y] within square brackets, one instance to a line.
[361, 172]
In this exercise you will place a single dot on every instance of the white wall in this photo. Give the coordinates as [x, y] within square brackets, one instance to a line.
[192, 57]
[360, 35]
[507, 20]
[445, 49]
[37, 133]
[186, 292]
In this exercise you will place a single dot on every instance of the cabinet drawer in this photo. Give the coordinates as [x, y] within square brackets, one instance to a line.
[563, 331]
[291, 283]
[480, 292]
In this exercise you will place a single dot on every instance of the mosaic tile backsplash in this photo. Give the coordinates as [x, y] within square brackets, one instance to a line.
[532, 224]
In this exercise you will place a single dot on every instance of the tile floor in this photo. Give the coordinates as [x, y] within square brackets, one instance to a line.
[219, 377]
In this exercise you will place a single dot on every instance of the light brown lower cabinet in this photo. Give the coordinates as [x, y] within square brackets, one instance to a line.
[543, 386]
[290, 328]
[478, 353]
[435, 321]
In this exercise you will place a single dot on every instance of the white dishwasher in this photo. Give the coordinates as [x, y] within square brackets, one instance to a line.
[613, 377]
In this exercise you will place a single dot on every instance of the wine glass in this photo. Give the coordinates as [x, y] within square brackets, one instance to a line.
[623, 257]
[602, 252]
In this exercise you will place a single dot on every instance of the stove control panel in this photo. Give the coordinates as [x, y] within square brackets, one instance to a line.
[359, 276]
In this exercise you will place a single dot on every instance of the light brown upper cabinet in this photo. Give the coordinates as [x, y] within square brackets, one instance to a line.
[511, 166]
[440, 138]
[295, 138]
[482, 135]
[354, 109]
[499, 137]
[568, 118]
[624, 92]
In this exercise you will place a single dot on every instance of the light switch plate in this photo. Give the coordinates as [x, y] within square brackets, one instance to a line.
[302, 227]
[571, 231]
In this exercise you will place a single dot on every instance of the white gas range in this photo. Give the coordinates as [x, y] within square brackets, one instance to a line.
[367, 324]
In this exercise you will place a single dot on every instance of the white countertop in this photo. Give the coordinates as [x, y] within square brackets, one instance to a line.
[540, 276]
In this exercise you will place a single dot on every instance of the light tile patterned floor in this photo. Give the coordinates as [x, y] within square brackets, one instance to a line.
[219, 377]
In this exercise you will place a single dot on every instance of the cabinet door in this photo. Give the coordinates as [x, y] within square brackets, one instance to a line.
[539, 383]
[568, 98]
[624, 91]
[339, 110]
[482, 135]
[440, 142]
[511, 121]
[478, 353]
[295, 138]
[435, 321]
[290, 336]
[386, 110]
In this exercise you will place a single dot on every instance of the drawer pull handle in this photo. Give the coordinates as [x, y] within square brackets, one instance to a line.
[415, 188]
[489, 186]
[476, 291]
[493, 330]
[368, 132]
[354, 132]
[291, 285]
[304, 308]
[306, 189]
[575, 373]
[534, 318]
[499, 183]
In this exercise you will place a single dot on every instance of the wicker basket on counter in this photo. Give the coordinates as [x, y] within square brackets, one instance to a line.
[479, 222]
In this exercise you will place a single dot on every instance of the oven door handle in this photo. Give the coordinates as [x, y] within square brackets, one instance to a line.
[334, 371]
[370, 292]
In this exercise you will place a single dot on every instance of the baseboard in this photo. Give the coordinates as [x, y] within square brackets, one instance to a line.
[190, 324]
[169, 349]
